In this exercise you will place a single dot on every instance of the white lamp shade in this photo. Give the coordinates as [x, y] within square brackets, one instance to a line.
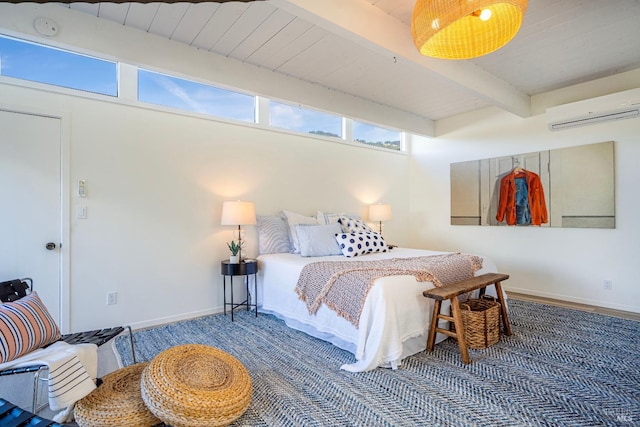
[238, 213]
[379, 212]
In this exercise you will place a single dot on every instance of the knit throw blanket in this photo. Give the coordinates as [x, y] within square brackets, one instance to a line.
[343, 285]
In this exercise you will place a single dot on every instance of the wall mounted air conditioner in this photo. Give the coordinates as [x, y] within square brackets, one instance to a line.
[617, 106]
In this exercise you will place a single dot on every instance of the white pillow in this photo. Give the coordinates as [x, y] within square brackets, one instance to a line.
[293, 219]
[327, 218]
[354, 225]
[355, 244]
[318, 240]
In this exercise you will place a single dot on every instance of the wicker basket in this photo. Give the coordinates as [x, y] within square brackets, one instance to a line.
[481, 320]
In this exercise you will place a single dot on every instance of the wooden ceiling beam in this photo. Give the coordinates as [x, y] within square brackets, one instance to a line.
[369, 26]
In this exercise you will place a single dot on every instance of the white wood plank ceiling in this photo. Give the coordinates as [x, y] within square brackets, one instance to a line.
[364, 47]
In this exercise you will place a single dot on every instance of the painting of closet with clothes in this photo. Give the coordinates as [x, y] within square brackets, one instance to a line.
[566, 187]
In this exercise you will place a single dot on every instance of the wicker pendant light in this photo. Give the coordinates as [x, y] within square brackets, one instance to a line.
[463, 29]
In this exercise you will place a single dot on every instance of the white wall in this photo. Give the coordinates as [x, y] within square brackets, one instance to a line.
[564, 263]
[156, 182]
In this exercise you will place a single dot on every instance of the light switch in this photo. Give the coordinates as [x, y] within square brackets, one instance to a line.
[82, 188]
[81, 212]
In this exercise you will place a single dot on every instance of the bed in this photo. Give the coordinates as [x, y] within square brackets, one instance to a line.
[395, 316]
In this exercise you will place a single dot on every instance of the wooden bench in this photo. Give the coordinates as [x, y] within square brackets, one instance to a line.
[451, 292]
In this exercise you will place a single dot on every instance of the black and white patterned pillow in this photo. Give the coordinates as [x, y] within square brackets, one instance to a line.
[355, 244]
[353, 225]
[327, 218]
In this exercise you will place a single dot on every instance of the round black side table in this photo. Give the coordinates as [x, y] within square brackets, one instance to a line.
[245, 268]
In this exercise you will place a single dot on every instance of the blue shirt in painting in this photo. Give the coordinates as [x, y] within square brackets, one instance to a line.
[523, 214]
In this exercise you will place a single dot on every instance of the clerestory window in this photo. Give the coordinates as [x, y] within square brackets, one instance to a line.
[25, 60]
[299, 119]
[170, 91]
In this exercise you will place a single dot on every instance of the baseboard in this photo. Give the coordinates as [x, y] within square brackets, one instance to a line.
[570, 298]
[528, 296]
[172, 319]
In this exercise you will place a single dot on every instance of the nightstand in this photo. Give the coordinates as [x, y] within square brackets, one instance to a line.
[245, 269]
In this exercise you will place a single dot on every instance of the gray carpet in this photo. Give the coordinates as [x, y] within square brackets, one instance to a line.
[561, 367]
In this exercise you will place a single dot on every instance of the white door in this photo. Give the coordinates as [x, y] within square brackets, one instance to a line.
[30, 203]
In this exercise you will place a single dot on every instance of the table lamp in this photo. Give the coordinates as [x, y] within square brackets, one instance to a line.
[238, 213]
[380, 212]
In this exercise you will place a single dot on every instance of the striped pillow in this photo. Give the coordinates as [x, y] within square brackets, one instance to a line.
[273, 235]
[25, 325]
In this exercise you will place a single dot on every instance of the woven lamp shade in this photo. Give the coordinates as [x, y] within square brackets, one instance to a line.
[452, 29]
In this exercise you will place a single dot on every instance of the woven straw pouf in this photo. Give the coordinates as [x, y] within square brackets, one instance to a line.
[116, 402]
[195, 385]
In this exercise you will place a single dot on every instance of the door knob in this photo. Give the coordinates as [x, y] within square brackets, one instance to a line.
[50, 246]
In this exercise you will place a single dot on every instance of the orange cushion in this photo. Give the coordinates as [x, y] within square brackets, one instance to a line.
[25, 325]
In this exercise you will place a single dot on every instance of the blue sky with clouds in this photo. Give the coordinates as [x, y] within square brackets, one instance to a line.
[34, 62]
[30, 61]
[188, 95]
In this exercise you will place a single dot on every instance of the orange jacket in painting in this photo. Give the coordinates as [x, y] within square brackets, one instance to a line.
[507, 203]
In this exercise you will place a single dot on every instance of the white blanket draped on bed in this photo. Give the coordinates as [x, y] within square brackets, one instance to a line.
[395, 317]
[72, 370]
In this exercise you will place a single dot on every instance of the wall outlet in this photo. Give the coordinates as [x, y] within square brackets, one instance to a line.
[607, 284]
[112, 298]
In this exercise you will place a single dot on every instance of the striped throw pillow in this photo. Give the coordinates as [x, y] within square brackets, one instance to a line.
[273, 235]
[25, 325]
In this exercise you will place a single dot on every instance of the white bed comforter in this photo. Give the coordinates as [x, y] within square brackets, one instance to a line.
[395, 318]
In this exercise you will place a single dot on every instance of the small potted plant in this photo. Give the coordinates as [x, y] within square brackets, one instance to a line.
[234, 248]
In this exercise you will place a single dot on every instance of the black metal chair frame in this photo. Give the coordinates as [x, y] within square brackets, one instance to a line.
[13, 416]
[97, 337]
